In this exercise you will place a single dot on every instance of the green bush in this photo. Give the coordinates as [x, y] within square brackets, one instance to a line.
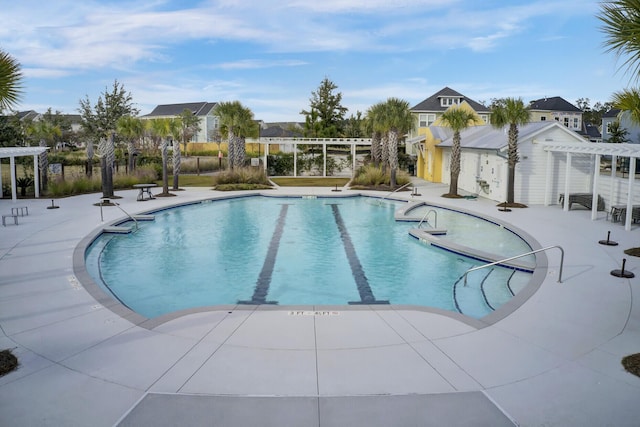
[246, 175]
[81, 184]
[372, 176]
[280, 164]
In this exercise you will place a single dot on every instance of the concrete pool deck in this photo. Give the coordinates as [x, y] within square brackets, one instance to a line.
[555, 361]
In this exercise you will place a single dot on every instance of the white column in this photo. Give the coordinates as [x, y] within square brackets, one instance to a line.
[324, 158]
[295, 159]
[36, 176]
[353, 160]
[614, 160]
[12, 165]
[632, 175]
[596, 175]
[547, 182]
[567, 179]
[266, 154]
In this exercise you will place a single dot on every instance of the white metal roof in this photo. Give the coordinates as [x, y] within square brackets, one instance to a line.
[20, 151]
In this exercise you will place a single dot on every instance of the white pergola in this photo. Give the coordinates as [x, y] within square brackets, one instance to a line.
[12, 153]
[597, 150]
[352, 142]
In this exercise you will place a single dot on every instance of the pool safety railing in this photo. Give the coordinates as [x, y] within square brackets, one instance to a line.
[128, 214]
[520, 256]
[425, 218]
[395, 191]
[135, 221]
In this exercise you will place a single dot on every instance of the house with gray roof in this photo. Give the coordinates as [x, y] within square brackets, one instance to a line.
[484, 168]
[558, 109]
[209, 123]
[613, 115]
[431, 109]
[435, 105]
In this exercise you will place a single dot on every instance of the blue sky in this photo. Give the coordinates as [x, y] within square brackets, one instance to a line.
[270, 55]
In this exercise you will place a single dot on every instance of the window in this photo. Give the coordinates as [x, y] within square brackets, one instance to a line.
[445, 102]
[543, 118]
[609, 127]
[576, 123]
[566, 121]
[426, 120]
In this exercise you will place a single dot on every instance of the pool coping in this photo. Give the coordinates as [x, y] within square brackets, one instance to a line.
[117, 307]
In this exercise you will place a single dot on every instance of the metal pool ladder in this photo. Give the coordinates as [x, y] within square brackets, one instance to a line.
[424, 218]
[520, 256]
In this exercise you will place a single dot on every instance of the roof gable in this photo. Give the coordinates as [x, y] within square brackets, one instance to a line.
[554, 103]
[433, 103]
[489, 138]
[197, 108]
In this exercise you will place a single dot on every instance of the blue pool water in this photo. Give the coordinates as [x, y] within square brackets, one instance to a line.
[294, 251]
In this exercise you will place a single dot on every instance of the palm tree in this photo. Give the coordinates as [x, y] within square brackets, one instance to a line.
[397, 121]
[190, 125]
[514, 113]
[106, 151]
[161, 131]
[621, 26]
[628, 101]
[131, 129]
[10, 81]
[46, 133]
[237, 122]
[457, 119]
[619, 135]
[372, 126]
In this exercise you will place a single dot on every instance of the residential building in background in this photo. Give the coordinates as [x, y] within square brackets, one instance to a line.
[209, 123]
[558, 109]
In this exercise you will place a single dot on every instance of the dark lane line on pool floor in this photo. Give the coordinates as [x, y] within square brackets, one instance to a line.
[366, 295]
[264, 279]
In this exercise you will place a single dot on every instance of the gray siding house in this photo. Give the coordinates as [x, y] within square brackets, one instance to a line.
[209, 123]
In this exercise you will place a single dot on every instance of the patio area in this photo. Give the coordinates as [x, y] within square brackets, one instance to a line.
[554, 361]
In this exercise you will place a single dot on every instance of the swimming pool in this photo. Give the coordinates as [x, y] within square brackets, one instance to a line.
[297, 251]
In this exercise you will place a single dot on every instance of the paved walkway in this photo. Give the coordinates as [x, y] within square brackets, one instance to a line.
[555, 361]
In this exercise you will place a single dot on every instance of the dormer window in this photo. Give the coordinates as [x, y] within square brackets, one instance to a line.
[446, 102]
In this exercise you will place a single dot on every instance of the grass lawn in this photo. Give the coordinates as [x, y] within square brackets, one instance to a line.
[314, 181]
[190, 181]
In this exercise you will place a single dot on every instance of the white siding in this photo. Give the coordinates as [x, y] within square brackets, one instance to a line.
[480, 165]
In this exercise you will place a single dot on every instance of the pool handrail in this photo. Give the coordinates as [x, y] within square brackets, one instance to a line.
[127, 214]
[397, 189]
[435, 225]
[520, 256]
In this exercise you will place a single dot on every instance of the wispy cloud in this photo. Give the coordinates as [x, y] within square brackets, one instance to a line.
[273, 53]
[247, 64]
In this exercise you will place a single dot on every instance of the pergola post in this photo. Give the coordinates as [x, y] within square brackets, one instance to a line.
[324, 158]
[614, 160]
[36, 176]
[353, 160]
[295, 159]
[596, 174]
[266, 156]
[12, 166]
[567, 181]
[632, 175]
[547, 182]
